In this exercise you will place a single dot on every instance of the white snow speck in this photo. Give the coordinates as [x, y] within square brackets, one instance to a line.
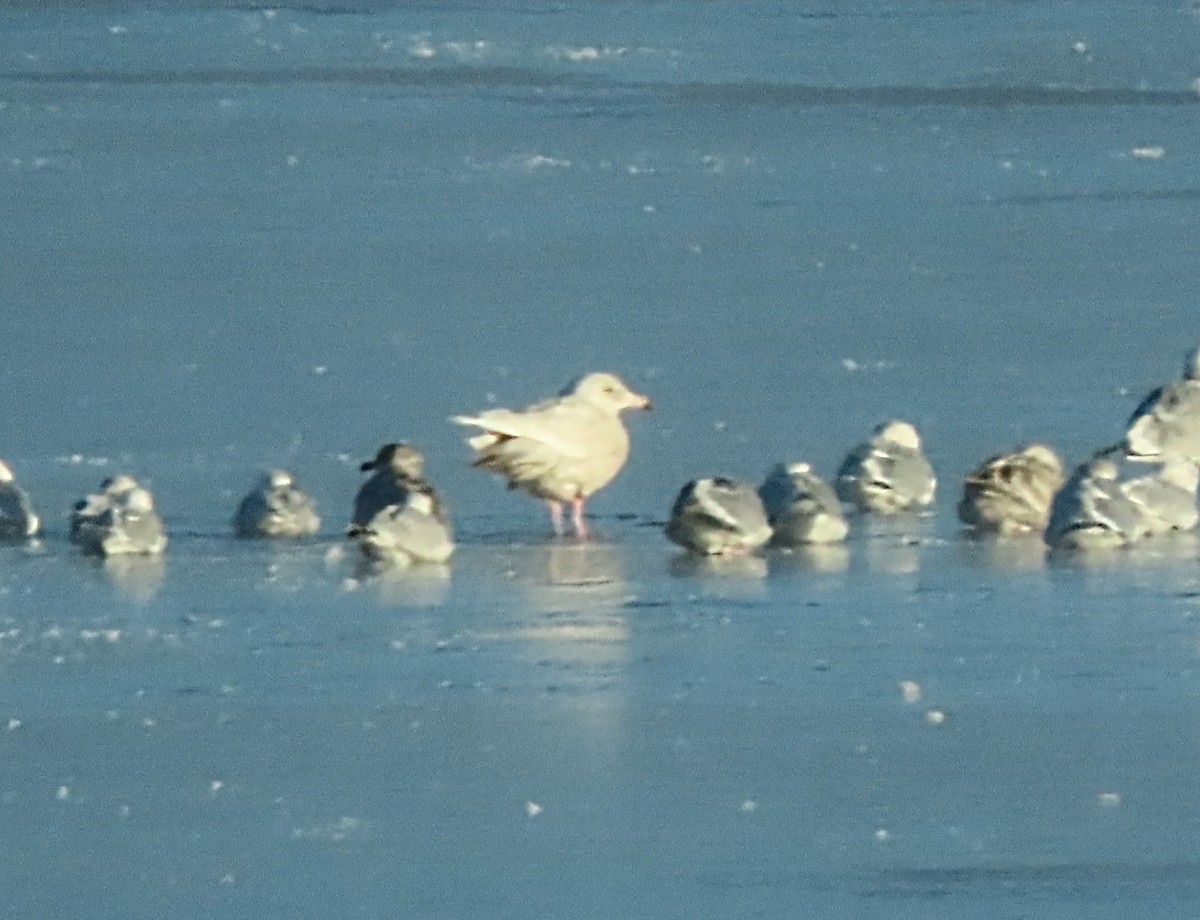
[749, 806]
[882, 835]
[63, 793]
[1080, 47]
[533, 809]
[14, 724]
[1148, 153]
[1109, 799]
[910, 691]
[934, 717]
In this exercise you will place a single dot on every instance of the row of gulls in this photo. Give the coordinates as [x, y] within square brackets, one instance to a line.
[1110, 501]
[564, 449]
[887, 474]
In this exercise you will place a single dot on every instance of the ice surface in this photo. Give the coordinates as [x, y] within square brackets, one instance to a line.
[238, 237]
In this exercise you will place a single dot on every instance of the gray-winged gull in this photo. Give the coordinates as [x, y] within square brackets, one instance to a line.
[129, 526]
[398, 517]
[413, 530]
[1166, 498]
[801, 507]
[1166, 425]
[888, 473]
[276, 507]
[17, 519]
[1092, 511]
[396, 469]
[561, 450]
[718, 516]
[1011, 493]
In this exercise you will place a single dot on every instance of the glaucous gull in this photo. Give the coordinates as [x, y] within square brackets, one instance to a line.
[561, 450]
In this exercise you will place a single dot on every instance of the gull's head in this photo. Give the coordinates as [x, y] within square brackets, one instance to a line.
[403, 460]
[139, 501]
[275, 479]
[1043, 455]
[607, 392]
[899, 433]
[118, 485]
[5, 473]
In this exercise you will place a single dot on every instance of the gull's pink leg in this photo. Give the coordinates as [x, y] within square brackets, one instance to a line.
[556, 516]
[581, 528]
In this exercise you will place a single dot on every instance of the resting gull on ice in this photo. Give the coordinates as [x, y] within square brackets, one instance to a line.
[413, 530]
[889, 473]
[801, 506]
[17, 519]
[1166, 426]
[128, 526]
[397, 514]
[395, 470]
[85, 516]
[718, 516]
[1166, 498]
[276, 507]
[561, 450]
[1092, 511]
[1011, 493]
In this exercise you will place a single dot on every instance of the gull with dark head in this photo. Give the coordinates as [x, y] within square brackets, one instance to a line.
[396, 469]
[276, 507]
[562, 450]
[128, 526]
[86, 514]
[398, 517]
[888, 473]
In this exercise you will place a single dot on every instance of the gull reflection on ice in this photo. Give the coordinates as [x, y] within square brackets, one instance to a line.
[404, 586]
[894, 544]
[136, 578]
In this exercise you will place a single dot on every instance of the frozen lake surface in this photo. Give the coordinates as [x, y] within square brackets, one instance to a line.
[239, 237]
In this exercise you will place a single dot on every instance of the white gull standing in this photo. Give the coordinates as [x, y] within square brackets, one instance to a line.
[562, 450]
